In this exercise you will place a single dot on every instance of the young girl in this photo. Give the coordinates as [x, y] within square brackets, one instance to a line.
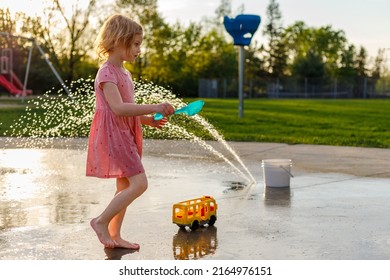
[115, 141]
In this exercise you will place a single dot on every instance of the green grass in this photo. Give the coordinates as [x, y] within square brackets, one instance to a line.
[11, 109]
[363, 123]
[7, 118]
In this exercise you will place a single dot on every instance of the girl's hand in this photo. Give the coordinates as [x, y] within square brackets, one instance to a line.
[158, 124]
[150, 121]
[165, 109]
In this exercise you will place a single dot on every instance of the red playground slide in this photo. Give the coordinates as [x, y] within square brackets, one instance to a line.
[15, 88]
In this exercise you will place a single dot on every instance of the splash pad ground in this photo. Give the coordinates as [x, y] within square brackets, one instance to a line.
[336, 208]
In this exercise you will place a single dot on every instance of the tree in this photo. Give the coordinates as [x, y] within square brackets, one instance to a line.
[177, 56]
[276, 52]
[7, 24]
[215, 58]
[309, 66]
[322, 44]
[329, 44]
[361, 73]
[224, 9]
[187, 55]
[67, 38]
[347, 70]
[379, 65]
[380, 72]
[40, 77]
[361, 63]
[157, 33]
[73, 41]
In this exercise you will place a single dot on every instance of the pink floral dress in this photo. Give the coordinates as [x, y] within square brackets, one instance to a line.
[115, 142]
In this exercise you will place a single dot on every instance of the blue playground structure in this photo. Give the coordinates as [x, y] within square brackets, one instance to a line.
[242, 28]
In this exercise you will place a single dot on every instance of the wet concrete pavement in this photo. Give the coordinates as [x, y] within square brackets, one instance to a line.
[336, 207]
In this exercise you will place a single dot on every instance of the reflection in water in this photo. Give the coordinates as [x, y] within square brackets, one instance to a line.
[192, 245]
[19, 171]
[59, 208]
[11, 214]
[277, 196]
[68, 207]
[34, 189]
[117, 253]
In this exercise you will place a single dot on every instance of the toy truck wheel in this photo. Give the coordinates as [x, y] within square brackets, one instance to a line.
[212, 221]
[194, 225]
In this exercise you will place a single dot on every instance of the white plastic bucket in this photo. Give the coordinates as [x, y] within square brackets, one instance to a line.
[277, 172]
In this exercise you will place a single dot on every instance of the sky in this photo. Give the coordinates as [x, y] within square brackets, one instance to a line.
[365, 22]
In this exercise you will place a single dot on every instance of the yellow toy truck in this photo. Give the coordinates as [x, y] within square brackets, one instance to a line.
[195, 212]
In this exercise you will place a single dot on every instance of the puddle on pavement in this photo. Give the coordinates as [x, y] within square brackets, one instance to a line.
[233, 186]
[46, 202]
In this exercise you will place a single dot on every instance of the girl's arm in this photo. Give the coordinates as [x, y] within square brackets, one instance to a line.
[119, 108]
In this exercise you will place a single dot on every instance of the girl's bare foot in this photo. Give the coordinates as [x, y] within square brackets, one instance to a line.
[102, 233]
[121, 243]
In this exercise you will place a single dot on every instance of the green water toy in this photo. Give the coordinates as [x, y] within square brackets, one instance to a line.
[191, 109]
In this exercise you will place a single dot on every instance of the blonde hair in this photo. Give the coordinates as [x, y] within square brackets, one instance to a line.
[117, 30]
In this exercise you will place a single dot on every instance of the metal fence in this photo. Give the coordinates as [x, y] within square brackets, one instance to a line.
[295, 88]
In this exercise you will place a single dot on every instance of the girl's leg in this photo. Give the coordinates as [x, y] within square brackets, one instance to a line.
[114, 227]
[115, 224]
[119, 203]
